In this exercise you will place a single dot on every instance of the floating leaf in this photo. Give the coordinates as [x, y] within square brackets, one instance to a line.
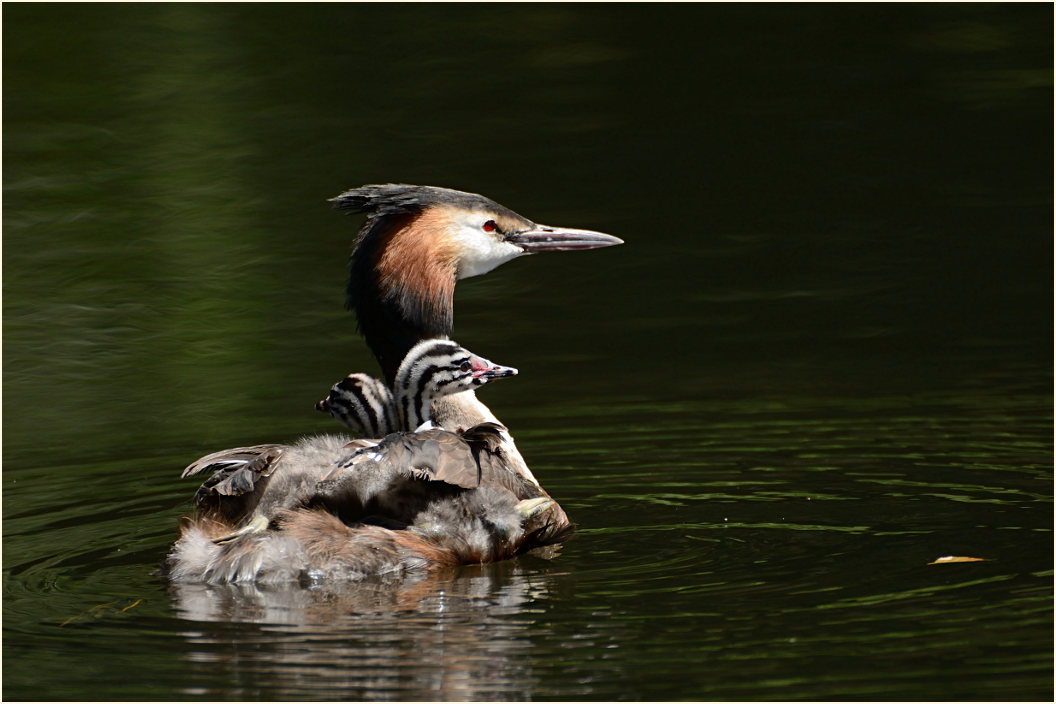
[956, 558]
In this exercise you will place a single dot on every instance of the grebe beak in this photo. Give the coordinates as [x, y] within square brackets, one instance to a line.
[560, 239]
[494, 371]
[324, 405]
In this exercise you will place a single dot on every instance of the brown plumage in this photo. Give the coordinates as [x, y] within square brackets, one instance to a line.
[311, 546]
[416, 265]
[417, 242]
[412, 500]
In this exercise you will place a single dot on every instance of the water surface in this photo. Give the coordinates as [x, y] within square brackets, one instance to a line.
[822, 360]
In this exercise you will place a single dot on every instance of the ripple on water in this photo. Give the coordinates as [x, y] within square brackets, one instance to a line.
[756, 538]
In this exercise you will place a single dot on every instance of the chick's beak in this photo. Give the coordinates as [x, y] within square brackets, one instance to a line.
[494, 371]
[542, 238]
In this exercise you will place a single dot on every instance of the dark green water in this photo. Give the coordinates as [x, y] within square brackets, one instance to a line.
[822, 360]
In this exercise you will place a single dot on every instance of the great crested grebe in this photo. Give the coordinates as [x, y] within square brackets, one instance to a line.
[458, 493]
[328, 508]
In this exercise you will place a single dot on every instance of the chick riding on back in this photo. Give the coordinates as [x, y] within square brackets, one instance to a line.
[334, 508]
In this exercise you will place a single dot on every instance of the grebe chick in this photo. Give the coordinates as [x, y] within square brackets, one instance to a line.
[253, 484]
[363, 404]
[329, 509]
[431, 369]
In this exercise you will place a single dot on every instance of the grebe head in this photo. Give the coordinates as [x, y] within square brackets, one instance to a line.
[417, 242]
[438, 367]
[476, 233]
[362, 403]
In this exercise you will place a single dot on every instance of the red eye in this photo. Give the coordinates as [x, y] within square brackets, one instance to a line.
[490, 226]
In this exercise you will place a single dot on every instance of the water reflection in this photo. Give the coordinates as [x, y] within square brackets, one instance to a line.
[458, 634]
[822, 360]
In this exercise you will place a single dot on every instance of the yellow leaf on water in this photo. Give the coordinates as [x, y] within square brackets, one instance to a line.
[956, 558]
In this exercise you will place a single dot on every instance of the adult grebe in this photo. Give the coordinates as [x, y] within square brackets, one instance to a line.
[328, 508]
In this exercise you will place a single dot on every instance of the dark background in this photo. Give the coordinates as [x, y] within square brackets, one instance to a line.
[836, 287]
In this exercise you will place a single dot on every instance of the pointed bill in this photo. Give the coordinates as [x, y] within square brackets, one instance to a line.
[542, 238]
[486, 370]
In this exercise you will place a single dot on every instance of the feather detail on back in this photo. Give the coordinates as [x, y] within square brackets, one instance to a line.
[330, 507]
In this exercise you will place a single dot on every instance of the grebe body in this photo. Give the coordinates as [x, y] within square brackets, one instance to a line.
[333, 508]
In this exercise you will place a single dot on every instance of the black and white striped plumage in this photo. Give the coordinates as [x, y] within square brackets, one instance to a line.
[432, 369]
[363, 404]
[436, 368]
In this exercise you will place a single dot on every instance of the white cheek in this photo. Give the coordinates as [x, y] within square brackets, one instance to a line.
[482, 259]
[479, 251]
